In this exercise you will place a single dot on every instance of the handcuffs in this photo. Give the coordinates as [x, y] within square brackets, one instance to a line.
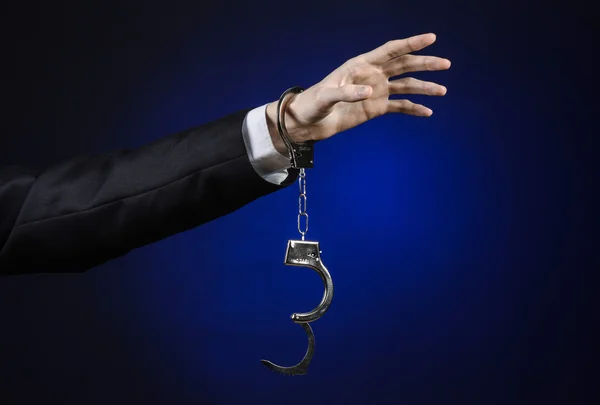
[302, 253]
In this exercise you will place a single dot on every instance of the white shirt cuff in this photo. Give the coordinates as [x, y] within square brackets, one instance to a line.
[266, 160]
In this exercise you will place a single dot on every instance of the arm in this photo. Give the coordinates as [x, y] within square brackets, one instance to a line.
[80, 213]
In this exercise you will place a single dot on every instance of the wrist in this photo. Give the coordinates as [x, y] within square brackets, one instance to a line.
[293, 127]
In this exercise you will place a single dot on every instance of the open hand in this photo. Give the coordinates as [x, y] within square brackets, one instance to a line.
[359, 90]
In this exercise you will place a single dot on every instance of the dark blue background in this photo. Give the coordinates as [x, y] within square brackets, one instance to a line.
[459, 244]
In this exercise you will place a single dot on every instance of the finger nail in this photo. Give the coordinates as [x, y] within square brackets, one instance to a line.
[363, 91]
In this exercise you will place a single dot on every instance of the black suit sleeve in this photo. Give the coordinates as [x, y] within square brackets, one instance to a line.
[83, 212]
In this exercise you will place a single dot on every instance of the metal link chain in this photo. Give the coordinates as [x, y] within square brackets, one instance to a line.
[302, 204]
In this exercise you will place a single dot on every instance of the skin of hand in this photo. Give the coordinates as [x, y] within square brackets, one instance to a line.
[359, 91]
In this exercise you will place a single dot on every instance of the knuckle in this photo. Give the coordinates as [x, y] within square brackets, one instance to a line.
[350, 61]
[405, 63]
[429, 63]
[400, 105]
[404, 84]
[407, 106]
[357, 60]
[390, 49]
[410, 44]
[399, 66]
[412, 82]
[346, 91]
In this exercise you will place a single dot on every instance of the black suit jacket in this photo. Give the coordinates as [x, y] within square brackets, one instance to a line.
[80, 213]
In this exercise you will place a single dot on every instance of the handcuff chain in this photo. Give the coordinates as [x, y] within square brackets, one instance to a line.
[301, 157]
[302, 204]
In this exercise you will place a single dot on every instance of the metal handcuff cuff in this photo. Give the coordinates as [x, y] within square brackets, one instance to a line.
[302, 253]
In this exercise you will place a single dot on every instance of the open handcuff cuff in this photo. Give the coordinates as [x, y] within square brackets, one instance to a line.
[302, 253]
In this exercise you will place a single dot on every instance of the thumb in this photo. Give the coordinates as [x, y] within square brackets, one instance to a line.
[349, 93]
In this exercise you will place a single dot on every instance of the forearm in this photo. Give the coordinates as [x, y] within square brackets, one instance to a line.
[81, 213]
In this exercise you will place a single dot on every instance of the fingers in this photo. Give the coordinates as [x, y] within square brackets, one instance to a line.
[328, 96]
[411, 85]
[408, 107]
[398, 47]
[414, 63]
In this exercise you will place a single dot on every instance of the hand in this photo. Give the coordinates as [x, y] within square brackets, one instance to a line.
[359, 90]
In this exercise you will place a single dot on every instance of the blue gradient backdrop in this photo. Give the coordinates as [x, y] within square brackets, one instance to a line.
[458, 244]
